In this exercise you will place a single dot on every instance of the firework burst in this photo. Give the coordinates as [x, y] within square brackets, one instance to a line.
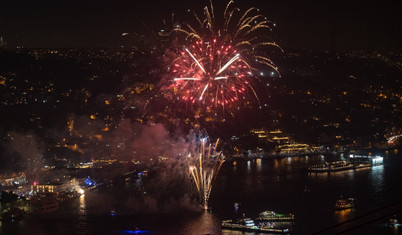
[217, 63]
[204, 165]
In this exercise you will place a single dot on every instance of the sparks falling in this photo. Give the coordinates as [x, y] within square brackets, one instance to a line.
[219, 61]
[205, 163]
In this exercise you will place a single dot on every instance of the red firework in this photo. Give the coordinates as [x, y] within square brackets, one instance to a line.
[211, 74]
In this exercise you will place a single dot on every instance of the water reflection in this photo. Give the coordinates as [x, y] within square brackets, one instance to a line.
[206, 223]
[232, 232]
[258, 163]
[276, 163]
[376, 178]
[82, 209]
[343, 215]
[80, 220]
[341, 175]
[396, 230]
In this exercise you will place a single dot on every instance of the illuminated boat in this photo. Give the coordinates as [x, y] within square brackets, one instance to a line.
[332, 167]
[273, 216]
[113, 212]
[247, 225]
[236, 206]
[392, 221]
[343, 203]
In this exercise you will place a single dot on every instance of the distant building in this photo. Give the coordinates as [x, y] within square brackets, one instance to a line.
[284, 144]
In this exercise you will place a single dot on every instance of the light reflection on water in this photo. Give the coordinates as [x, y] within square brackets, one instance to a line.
[258, 164]
[82, 210]
[344, 215]
[80, 220]
[377, 178]
[206, 223]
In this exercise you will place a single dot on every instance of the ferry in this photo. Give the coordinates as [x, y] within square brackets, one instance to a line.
[354, 162]
[273, 216]
[342, 203]
[366, 160]
[247, 225]
[332, 167]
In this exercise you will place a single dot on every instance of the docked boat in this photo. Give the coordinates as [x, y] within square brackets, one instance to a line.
[362, 165]
[273, 216]
[247, 225]
[344, 203]
[392, 222]
[332, 167]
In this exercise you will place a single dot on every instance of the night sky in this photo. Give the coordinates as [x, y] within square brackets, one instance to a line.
[300, 24]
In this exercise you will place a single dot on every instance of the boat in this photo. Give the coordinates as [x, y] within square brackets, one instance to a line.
[362, 165]
[332, 167]
[247, 225]
[367, 160]
[392, 221]
[343, 203]
[113, 212]
[236, 206]
[13, 214]
[273, 216]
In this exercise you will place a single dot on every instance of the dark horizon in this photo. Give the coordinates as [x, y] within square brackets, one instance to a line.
[303, 25]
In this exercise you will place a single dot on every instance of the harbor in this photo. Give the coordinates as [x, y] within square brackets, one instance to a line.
[243, 184]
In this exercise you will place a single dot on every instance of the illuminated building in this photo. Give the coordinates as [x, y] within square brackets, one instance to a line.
[13, 180]
[38, 189]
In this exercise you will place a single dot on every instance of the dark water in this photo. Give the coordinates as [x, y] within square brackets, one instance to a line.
[266, 184]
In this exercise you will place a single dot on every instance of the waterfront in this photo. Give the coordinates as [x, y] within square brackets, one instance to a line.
[261, 184]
